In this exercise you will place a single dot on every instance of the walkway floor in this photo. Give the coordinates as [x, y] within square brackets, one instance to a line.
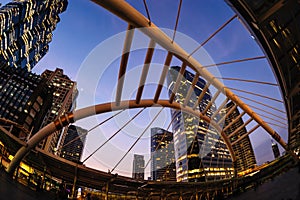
[10, 189]
[284, 187]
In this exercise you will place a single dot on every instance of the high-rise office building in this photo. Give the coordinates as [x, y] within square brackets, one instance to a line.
[138, 169]
[243, 149]
[26, 30]
[25, 99]
[64, 96]
[162, 155]
[275, 150]
[200, 152]
[71, 146]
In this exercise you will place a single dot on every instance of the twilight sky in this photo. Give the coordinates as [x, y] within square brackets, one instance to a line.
[87, 44]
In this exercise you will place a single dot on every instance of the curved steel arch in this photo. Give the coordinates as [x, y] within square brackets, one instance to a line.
[135, 19]
[103, 108]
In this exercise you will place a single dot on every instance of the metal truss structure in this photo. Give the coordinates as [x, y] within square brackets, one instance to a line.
[136, 20]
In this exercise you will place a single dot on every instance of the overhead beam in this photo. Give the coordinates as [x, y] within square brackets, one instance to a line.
[235, 120]
[178, 82]
[220, 108]
[72, 117]
[240, 128]
[147, 63]
[246, 134]
[200, 97]
[227, 114]
[209, 105]
[191, 89]
[163, 76]
[124, 61]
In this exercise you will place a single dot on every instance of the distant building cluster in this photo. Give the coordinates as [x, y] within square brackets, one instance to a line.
[194, 151]
[200, 152]
[162, 155]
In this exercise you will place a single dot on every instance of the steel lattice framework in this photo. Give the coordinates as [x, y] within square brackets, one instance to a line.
[136, 20]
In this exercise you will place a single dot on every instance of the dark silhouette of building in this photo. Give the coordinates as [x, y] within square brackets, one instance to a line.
[242, 149]
[64, 95]
[200, 152]
[162, 155]
[25, 99]
[138, 170]
[275, 150]
[26, 30]
[275, 26]
[73, 143]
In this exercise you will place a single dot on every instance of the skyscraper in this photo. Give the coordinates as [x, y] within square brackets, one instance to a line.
[73, 142]
[26, 30]
[200, 152]
[243, 148]
[162, 155]
[275, 150]
[64, 96]
[25, 99]
[138, 169]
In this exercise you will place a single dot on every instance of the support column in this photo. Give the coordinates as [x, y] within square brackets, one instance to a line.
[163, 195]
[43, 179]
[106, 191]
[75, 181]
[1, 156]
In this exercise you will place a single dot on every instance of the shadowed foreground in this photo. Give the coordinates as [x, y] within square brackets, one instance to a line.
[286, 186]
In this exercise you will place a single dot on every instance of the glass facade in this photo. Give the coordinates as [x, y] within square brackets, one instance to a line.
[25, 98]
[73, 143]
[64, 96]
[26, 28]
[200, 152]
[162, 155]
[138, 169]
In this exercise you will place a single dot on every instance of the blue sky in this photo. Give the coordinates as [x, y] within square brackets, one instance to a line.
[85, 27]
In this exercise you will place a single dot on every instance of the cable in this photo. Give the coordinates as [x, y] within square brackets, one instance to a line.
[235, 61]
[212, 35]
[177, 19]
[137, 140]
[148, 14]
[113, 135]
[91, 129]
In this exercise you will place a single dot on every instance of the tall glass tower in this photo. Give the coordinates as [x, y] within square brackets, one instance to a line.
[162, 155]
[26, 30]
[25, 99]
[64, 100]
[71, 146]
[200, 152]
[138, 169]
